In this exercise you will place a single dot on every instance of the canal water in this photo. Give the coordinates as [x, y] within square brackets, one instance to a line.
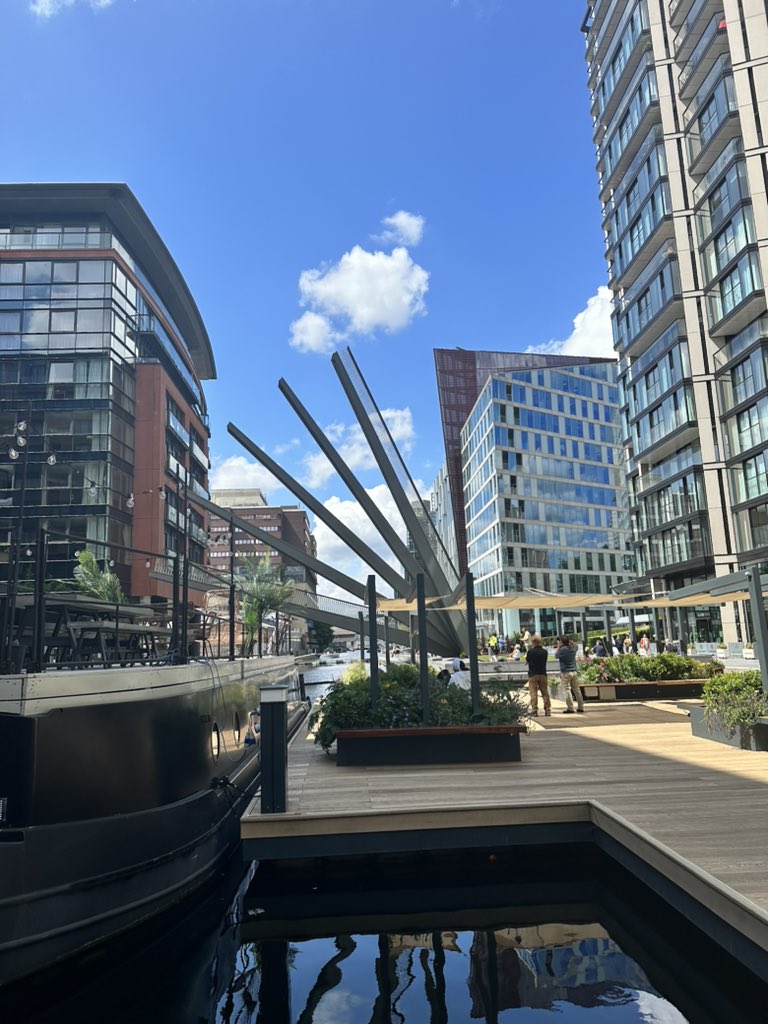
[507, 936]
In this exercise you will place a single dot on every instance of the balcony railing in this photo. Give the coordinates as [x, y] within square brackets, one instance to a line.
[178, 428]
[694, 70]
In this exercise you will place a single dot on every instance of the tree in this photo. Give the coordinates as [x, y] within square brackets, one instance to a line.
[323, 635]
[96, 582]
[264, 591]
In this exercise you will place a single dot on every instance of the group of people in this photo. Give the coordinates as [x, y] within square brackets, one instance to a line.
[500, 644]
[617, 646]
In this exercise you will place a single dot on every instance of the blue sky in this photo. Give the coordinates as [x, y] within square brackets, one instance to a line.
[392, 175]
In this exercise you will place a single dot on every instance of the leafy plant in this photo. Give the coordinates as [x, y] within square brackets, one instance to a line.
[98, 583]
[734, 700]
[348, 704]
[634, 667]
[263, 591]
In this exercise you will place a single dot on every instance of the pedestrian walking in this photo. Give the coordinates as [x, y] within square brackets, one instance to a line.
[537, 656]
[566, 655]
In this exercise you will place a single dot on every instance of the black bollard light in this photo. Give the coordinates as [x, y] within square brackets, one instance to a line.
[274, 748]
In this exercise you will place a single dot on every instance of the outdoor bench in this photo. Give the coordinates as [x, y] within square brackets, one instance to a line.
[643, 689]
[430, 744]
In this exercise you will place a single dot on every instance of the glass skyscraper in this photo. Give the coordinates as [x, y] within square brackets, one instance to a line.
[679, 96]
[543, 484]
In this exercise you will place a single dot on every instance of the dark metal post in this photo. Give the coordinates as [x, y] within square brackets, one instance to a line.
[584, 633]
[41, 561]
[421, 613]
[373, 639]
[175, 609]
[275, 984]
[361, 620]
[658, 629]
[412, 634]
[274, 748]
[632, 628]
[386, 641]
[231, 591]
[474, 668]
[185, 569]
[681, 630]
[13, 581]
[759, 624]
[608, 634]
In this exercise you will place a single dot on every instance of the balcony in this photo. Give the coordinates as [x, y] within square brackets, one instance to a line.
[611, 83]
[617, 165]
[713, 43]
[606, 17]
[198, 453]
[638, 242]
[738, 298]
[198, 488]
[635, 369]
[178, 428]
[687, 37]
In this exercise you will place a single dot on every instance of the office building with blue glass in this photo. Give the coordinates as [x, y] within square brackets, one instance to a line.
[545, 503]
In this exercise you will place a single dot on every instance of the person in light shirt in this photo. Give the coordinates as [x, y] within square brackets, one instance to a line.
[460, 675]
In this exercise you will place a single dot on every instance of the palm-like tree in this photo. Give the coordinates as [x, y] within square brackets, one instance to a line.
[264, 590]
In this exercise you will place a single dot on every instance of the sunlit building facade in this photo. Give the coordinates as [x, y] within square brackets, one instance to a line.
[102, 354]
[678, 100]
[545, 504]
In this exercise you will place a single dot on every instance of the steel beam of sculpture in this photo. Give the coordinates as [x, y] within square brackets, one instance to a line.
[368, 505]
[334, 576]
[446, 630]
[444, 638]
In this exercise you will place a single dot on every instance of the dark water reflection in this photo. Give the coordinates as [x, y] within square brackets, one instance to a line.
[432, 938]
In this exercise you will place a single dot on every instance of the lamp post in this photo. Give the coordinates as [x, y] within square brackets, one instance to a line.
[18, 453]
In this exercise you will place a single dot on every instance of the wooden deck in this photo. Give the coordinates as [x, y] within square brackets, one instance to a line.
[692, 809]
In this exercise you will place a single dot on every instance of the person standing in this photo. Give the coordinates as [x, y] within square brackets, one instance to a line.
[537, 656]
[566, 655]
[493, 646]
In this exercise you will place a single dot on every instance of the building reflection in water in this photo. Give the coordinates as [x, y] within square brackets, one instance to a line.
[441, 975]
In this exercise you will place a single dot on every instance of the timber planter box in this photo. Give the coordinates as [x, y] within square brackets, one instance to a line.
[454, 744]
[744, 737]
[656, 689]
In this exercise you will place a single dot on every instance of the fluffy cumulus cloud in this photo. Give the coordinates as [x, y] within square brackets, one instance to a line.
[239, 472]
[47, 8]
[591, 335]
[402, 228]
[334, 552]
[363, 292]
[352, 446]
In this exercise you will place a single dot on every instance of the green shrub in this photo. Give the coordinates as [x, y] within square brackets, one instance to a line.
[734, 699]
[634, 667]
[348, 705]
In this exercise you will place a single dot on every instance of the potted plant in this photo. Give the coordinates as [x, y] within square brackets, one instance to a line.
[732, 705]
[392, 730]
[749, 651]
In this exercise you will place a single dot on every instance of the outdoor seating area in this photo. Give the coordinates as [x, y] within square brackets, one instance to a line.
[82, 632]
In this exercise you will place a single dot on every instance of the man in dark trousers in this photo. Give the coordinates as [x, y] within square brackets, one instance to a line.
[537, 656]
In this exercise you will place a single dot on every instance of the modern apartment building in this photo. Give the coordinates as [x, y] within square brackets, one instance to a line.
[545, 503]
[288, 523]
[102, 351]
[680, 103]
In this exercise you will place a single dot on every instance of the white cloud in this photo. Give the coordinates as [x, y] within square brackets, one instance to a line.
[350, 442]
[402, 228]
[281, 449]
[368, 290]
[313, 333]
[239, 472]
[47, 8]
[363, 291]
[336, 553]
[591, 335]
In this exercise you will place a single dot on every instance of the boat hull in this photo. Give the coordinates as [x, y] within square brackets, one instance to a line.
[120, 801]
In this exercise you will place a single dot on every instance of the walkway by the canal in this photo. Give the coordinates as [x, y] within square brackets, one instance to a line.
[693, 809]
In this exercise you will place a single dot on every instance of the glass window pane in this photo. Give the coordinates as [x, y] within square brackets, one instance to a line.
[11, 273]
[63, 272]
[92, 271]
[38, 272]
